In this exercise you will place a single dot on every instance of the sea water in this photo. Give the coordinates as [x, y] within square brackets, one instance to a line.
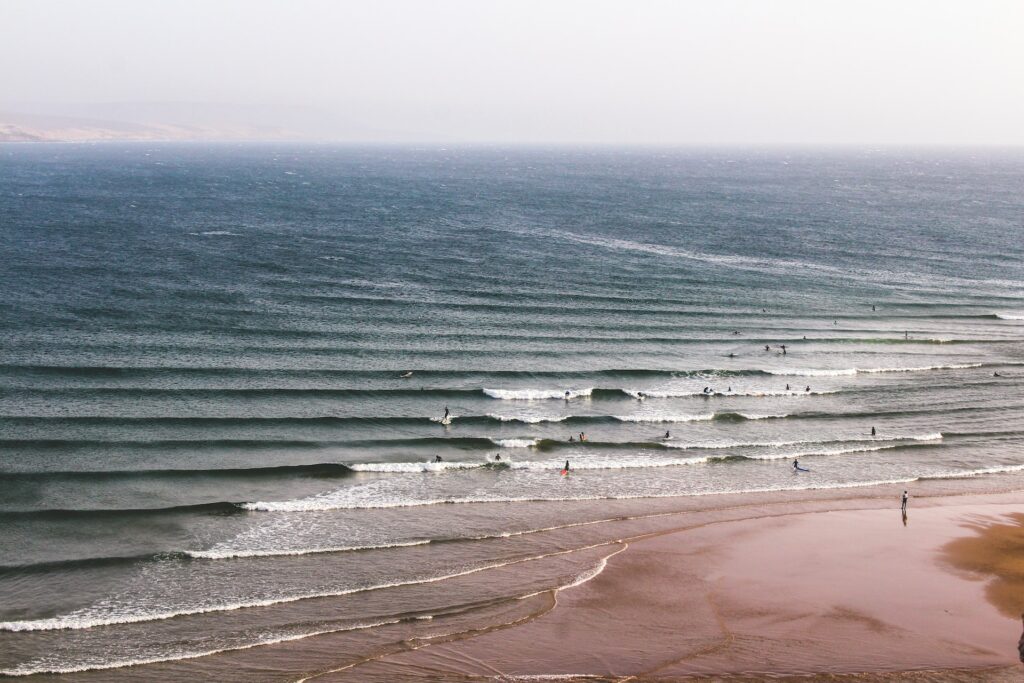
[224, 369]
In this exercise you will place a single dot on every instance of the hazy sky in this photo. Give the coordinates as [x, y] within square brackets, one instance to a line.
[709, 71]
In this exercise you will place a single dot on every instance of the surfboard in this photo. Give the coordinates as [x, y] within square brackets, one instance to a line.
[801, 469]
[565, 472]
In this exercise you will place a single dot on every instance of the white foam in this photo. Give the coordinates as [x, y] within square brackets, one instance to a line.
[833, 451]
[227, 553]
[1010, 316]
[664, 418]
[621, 463]
[537, 394]
[953, 474]
[714, 445]
[807, 372]
[412, 466]
[514, 443]
[216, 233]
[680, 393]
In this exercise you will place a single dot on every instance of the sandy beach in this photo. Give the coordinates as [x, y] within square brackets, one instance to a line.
[793, 593]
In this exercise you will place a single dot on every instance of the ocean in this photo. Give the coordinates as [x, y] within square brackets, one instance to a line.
[225, 370]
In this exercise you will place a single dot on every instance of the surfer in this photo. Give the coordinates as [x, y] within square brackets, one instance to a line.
[566, 394]
[783, 347]
[787, 387]
[767, 348]
[903, 502]
[497, 457]
[732, 355]
[796, 464]
[406, 375]
[583, 437]
[640, 395]
[872, 307]
[872, 431]
[996, 374]
[565, 470]
[667, 435]
[437, 458]
[729, 389]
[808, 389]
[571, 439]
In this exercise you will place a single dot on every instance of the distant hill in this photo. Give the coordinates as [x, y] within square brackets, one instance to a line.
[19, 127]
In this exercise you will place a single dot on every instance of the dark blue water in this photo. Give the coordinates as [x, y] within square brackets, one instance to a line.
[224, 368]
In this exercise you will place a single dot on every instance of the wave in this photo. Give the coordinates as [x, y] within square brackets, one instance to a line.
[44, 668]
[805, 372]
[537, 394]
[528, 419]
[324, 503]
[664, 418]
[720, 417]
[442, 466]
[216, 508]
[318, 470]
[680, 393]
[821, 452]
[83, 620]
[1009, 316]
[981, 471]
[515, 443]
[223, 553]
[718, 445]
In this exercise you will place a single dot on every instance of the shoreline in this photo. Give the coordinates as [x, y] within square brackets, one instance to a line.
[801, 593]
[623, 532]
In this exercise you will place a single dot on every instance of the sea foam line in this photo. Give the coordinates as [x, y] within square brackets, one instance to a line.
[537, 394]
[514, 443]
[807, 372]
[227, 553]
[935, 436]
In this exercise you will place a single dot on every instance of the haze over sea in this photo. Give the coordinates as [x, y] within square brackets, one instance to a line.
[207, 443]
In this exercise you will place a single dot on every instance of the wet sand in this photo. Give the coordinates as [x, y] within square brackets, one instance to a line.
[794, 593]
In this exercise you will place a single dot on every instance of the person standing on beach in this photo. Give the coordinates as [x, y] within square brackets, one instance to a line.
[903, 506]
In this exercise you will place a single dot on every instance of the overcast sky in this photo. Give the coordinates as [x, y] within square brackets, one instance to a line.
[705, 72]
